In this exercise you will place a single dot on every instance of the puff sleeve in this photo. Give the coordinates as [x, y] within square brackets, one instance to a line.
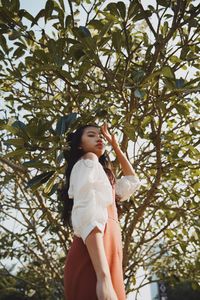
[126, 186]
[92, 193]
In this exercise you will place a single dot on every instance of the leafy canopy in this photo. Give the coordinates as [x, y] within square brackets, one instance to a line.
[135, 66]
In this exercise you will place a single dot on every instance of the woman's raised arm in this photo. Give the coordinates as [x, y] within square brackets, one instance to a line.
[125, 164]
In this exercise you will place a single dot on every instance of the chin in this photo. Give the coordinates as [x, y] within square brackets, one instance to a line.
[100, 154]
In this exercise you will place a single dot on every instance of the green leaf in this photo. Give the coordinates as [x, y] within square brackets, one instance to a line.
[61, 17]
[15, 142]
[183, 246]
[78, 2]
[21, 129]
[2, 56]
[182, 109]
[137, 75]
[101, 42]
[56, 51]
[48, 9]
[169, 233]
[50, 184]
[12, 5]
[146, 121]
[9, 128]
[184, 52]
[3, 44]
[196, 186]
[64, 123]
[180, 83]
[174, 59]
[193, 152]
[65, 74]
[129, 131]
[168, 72]
[106, 28]
[21, 45]
[164, 29]
[72, 41]
[85, 31]
[17, 153]
[145, 39]
[76, 51]
[19, 124]
[19, 52]
[117, 40]
[54, 189]
[169, 83]
[15, 5]
[83, 69]
[40, 179]
[23, 13]
[35, 163]
[138, 93]
[62, 4]
[90, 43]
[96, 24]
[165, 3]
[112, 7]
[142, 15]
[122, 9]
[40, 15]
[68, 21]
[133, 8]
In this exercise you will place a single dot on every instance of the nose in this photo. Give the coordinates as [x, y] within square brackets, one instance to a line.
[100, 140]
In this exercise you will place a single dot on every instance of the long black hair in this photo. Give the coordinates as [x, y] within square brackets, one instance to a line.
[72, 156]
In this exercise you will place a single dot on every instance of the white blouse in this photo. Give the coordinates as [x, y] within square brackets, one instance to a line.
[92, 193]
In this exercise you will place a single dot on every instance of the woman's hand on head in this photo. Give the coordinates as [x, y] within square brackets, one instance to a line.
[108, 136]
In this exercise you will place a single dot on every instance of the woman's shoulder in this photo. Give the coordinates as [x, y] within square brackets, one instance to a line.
[88, 167]
[90, 155]
[88, 160]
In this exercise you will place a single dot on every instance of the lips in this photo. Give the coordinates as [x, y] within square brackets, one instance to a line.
[100, 144]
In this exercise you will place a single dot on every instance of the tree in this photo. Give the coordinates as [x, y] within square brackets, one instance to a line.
[183, 291]
[137, 68]
[27, 285]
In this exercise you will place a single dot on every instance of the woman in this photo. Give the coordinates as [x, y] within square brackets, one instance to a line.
[93, 268]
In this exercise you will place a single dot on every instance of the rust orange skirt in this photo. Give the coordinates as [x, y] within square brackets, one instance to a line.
[79, 274]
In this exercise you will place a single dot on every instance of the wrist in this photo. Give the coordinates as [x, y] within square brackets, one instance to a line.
[116, 148]
[103, 275]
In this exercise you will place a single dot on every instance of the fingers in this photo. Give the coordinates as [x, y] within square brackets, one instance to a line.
[109, 137]
[104, 129]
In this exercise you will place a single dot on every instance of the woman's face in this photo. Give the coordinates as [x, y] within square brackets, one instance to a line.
[91, 141]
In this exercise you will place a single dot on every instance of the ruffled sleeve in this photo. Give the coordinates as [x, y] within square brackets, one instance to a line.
[92, 193]
[126, 186]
